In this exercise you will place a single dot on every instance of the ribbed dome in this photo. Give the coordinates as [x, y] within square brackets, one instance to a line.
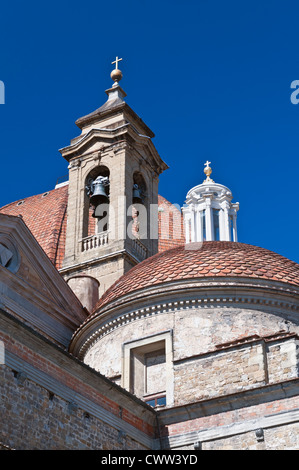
[210, 259]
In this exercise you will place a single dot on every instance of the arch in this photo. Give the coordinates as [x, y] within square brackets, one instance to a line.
[139, 206]
[92, 225]
[139, 180]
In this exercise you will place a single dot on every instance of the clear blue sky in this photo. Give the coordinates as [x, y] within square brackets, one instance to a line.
[210, 78]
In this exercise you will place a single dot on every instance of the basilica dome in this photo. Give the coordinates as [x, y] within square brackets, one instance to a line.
[213, 275]
[215, 260]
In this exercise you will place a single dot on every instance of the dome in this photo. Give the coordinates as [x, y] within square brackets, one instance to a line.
[216, 259]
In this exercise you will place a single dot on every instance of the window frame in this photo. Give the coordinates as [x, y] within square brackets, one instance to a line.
[144, 345]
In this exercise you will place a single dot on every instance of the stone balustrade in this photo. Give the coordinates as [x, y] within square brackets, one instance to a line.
[94, 241]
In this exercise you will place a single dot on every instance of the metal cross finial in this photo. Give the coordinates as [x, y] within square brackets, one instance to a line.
[116, 62]
[207, 163]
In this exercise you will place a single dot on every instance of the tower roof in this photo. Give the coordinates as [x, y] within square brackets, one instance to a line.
[114, 103]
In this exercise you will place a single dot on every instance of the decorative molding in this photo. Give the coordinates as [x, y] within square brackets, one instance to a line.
[112, 324]
[202, 283]
[74, 268]
[235, 429]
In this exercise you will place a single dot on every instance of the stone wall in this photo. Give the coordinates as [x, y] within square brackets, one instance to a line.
[265, 417]
[33, 418]
[247, 363]
[219, 373]
[215, 351]
[277, 438]
[50, 400]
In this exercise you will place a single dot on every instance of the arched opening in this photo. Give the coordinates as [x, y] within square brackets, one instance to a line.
[139, 206]
[96, 206]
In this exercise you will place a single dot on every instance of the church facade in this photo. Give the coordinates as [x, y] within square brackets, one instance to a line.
[129, 323]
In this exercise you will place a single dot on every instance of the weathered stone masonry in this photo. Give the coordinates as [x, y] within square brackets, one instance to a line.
[49, 400]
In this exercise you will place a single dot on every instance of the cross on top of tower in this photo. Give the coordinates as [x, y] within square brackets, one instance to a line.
[116, 62]
[116, 74]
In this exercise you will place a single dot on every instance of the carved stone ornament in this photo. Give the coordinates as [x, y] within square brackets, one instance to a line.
[9, 255]
[5, 256]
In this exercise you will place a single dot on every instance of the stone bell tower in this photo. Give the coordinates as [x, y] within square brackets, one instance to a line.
[112, 218]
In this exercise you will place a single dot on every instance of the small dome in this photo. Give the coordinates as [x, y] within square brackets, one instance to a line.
[204, 260]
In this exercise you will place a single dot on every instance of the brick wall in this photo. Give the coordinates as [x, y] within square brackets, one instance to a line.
[33, 418]
[49, 400]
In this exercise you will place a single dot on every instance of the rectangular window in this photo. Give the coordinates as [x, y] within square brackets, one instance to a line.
[159, 400]
[148, 368]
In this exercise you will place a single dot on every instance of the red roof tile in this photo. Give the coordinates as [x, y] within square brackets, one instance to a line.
[171, 226]
[45, 216]
[211, 259]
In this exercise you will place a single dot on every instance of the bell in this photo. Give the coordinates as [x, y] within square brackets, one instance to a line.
[99, 194]
[137, 199]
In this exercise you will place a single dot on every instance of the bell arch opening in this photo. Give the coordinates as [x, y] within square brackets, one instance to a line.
[96, 201]
[139, 206]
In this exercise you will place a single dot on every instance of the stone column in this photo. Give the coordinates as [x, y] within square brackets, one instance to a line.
[209, 220]
[235, 227]
[187, 227]
[192, 224]
[225, 219]
[199, 237]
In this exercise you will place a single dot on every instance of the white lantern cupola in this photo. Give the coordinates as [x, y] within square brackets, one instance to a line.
[209, 213]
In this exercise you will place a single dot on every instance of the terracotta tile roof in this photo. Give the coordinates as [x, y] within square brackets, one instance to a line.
[45, 216]
[171, 226]
[211, 259]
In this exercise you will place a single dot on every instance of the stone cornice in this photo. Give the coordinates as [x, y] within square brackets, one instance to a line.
[123, 133]
[36, 292]
[74, 268]
[202, 283]
[227, 403]
[174, 297]
[121, 107]
[24, 241]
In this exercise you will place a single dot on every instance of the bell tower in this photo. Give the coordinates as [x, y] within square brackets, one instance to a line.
[112, 217]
